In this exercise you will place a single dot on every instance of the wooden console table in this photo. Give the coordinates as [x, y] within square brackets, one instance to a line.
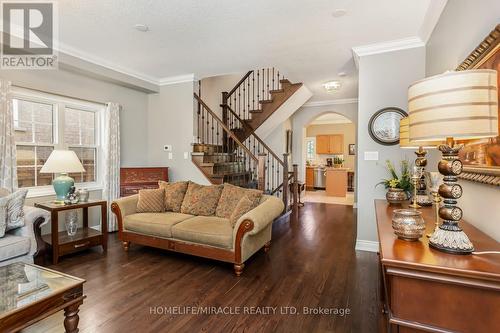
[425, 290]
[85, 237]
[134, 179]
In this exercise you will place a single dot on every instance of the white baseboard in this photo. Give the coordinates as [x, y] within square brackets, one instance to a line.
[365, 245]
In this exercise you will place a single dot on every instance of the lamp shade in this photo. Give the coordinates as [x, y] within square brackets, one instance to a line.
[404, 137]
[62, 161]
[462, 105]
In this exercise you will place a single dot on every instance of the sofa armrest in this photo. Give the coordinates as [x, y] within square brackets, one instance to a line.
[261, 216]
[34, 219]
[122, 207]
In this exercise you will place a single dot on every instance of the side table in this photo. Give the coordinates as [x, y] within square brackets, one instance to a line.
[84, 238]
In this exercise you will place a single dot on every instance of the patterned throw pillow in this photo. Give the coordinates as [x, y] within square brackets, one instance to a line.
[3, 215]
[174, 195]
[243, 206]
[201, 200]
[15, 211]
[151, 201]
[230, 197]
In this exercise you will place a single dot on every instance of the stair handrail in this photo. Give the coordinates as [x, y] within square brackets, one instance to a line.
[255, 135]
[240, 83]
[226, 129]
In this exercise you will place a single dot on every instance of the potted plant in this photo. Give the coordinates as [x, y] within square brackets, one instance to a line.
[337, 162]
[398, 186]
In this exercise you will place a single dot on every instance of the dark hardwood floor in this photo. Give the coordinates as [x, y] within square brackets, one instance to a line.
[312, 263]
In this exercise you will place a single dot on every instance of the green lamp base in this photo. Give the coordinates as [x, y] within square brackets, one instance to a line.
[62, 185]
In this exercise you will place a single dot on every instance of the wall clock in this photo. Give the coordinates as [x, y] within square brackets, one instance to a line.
[384, 125]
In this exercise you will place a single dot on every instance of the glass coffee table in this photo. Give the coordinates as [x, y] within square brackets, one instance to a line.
[29, 293]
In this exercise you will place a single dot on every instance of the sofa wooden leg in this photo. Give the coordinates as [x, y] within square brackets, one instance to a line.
[126, 245]
[267, 247]
[238, 269]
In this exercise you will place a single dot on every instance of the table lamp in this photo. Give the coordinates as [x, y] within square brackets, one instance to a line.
[455, 105]
[62, 162]
[420, 146]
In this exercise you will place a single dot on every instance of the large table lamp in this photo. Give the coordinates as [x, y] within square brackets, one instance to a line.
[62, 162]
[455, 105]
[420, 147]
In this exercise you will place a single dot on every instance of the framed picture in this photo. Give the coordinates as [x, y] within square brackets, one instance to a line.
[352, 149]
[481, 158]
[289, 135]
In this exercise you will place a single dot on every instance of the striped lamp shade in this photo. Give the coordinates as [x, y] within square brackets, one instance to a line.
[404, 137]
[462, 105]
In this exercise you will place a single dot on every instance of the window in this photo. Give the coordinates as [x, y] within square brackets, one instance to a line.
[45, 122]
[310, 148]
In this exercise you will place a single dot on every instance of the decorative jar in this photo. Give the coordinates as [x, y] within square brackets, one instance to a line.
[71, 222]
[395, 196]
[408, 224]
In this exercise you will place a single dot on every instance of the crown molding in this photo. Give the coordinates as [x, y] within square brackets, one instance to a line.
[383, 47]
[177, 79]
[431, 19]
[331, 102]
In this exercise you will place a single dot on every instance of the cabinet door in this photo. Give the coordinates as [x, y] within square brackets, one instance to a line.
[336, 144]
[309, 177]
[322, 144]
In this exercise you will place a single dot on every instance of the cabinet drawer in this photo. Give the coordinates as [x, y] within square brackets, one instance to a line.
[79, 245]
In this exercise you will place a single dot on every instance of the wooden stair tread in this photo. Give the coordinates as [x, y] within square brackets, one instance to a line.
[265, 101]
[276, 91]
[222, 175]
[255, 111]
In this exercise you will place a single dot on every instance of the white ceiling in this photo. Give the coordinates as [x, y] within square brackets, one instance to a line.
[207, 38]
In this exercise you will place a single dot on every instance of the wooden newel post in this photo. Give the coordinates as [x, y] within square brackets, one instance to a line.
[286, 184]
[225, 120]
[261, 172]
[295, 190]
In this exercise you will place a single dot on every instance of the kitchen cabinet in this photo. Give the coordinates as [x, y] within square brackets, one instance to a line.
[309, 177]
[330, 144]
[336, 182]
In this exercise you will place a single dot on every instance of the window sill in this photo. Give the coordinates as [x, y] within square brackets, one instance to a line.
[46, 191]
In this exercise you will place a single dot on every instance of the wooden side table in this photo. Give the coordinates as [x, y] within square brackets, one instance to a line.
[85, 237]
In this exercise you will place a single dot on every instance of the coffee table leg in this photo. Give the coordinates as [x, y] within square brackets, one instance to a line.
[71, 318]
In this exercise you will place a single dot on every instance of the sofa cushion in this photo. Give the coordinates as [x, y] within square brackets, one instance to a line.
[15, 211]
[201, 200]
[3, 215]
[154, 224]
[230, 197]
[208, 230]
[151, 201]
[12, 246]
[174, 195]
[244, 205]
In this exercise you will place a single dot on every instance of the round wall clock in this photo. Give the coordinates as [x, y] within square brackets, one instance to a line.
[384, 125]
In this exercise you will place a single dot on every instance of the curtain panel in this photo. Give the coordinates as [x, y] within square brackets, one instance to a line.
[8, 167]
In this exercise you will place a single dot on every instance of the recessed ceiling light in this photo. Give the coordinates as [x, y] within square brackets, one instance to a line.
[339, 12]
[342, 74]
[332, 86]
[141, 27]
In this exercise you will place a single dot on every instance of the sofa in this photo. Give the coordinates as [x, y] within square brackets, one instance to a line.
[205, 236]
[24, 244]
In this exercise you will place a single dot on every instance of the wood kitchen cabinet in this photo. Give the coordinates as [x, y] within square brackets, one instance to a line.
[309, 177]
[330, 144]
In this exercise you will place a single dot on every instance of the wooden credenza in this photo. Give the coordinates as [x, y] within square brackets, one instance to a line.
[425, 290]
[134, 179]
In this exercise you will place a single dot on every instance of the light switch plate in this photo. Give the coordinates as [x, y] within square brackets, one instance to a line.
[371, 155]
[186, 155]
[170, 156]
[167, 148]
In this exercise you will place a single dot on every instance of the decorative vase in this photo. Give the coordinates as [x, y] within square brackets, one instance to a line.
[71, 222]
[83, 195]
[395, 196]
[408, 224]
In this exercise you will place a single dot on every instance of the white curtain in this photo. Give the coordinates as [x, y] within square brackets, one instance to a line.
[111, 149]
[8, 171]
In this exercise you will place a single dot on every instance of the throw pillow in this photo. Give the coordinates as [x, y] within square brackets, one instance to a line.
[243, 206]
[151, 201]
[3, 215]
[201, 200]
[15, 211]
[230, 197]
[174, 195]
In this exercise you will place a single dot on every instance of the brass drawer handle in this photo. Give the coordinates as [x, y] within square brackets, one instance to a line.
[81, 245]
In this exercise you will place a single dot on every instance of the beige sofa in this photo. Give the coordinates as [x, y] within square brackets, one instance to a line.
[204, 236]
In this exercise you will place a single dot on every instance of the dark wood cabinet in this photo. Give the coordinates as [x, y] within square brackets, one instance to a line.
[425, 290]
[134, 179]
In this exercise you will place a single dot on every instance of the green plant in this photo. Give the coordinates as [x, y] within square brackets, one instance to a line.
[338, 160]
[402, 181]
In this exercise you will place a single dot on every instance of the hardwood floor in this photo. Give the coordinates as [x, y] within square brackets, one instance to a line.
[312, 263]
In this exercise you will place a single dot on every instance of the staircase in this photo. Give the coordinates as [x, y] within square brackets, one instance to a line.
[227, 149]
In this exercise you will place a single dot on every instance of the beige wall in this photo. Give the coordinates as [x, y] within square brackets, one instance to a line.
[347, 130]
[212, 88]
[462, 26]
